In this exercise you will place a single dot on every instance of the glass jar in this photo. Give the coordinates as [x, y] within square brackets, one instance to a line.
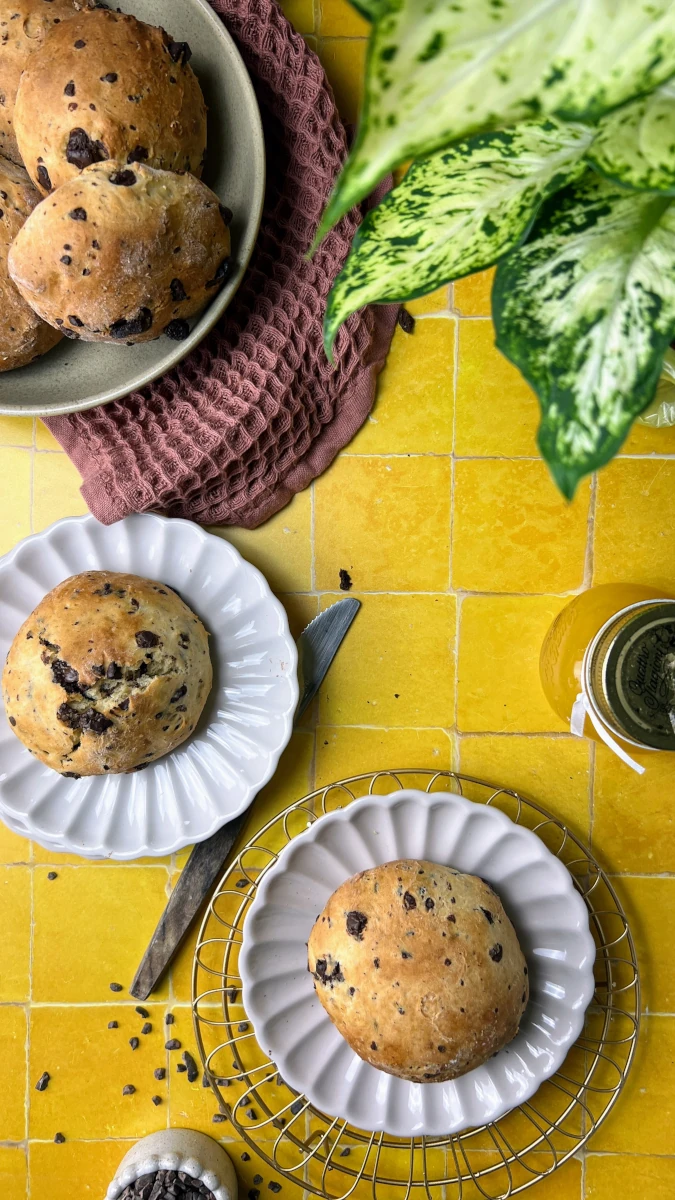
[612, 649]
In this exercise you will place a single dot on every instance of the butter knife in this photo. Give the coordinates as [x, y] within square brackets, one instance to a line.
[317, 646]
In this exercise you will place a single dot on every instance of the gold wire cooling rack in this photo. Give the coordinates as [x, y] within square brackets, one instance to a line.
[329, 1157]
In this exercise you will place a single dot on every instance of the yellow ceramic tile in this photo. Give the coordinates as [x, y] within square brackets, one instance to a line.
[345, 751]
[472, 294]
[634, 526]
[13, 849]
[56, 490]
[497, 413]
[300, 14]
[554, 771]
[498, 688]
[15, 906]
[89, 1065]
[12, 1073]
[191, 1105]
[384, 520]
[110, 914]
[414, 403]
[44, 440]
[13, 1173]
[343, 61]
[513, 531]
[341, 19]
[281, 548]
[634, 821]
[632, 1177]
[650, 907]
[434, 302]
[300, 610]
[643, 1120]
[16, 431]
[644, 439]
[396, 666]
[15, 473]
[74, 1168]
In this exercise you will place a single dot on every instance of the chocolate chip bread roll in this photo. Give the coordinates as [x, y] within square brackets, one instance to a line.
[123, 254]
[109, 672]
[24, 24]
[420, 969]
[106, 86]
[23, 336]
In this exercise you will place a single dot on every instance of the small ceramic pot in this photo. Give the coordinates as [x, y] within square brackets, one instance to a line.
[178, 1150]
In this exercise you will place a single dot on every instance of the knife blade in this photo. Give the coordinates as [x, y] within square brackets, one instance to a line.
[317, 646]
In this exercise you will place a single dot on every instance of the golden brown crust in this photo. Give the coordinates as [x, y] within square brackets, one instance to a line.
[420, 969]
[23, 336]
[24, 25]
[109, 673]
[106, 86]
[120, 252]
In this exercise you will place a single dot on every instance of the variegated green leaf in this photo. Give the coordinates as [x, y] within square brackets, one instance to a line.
[440, 70]
[370, 9]
[586, 310]
[455, 213]
[636, 144]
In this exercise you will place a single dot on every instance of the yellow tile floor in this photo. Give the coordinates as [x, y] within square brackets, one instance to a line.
[462, 552]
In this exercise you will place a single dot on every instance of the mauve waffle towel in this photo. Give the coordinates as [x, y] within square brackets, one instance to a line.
[256, 412]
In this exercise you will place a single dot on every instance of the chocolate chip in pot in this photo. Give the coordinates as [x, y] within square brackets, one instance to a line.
[496, 952]
[132, 326]
[409, 901]
[356, 923]
[123, 178]
[43, 178]
[177, 330]
[82, 151]
[178, 292]
[144, 639]
[111, 77]
[180, 52]
[138, 154]
[78, 214]
[224, 270]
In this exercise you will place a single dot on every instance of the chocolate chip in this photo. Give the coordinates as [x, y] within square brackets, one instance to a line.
[226, 213]
[178, 695]
[405, 954]
[134, 1043]
[496, 952]
[147, 1028]
[78, 214]
[69, 89]
[221, 274]
[160, 1073]
[156, 1100]
[406, 320]
[376, 963]
[169, 1019]
[524, 970]
[328, 978]
[429, 904]
[274, 1186]
[123, 178]
[488, 916]
[86, 271]
[179, 52]
[111, 77]
[192, 1072]
[138, 154]
[79, 44]
[94, 244]
[448, 962]
[128, 1089]
[257, 1179]
[66, 259]
[82, 151]
[345, 581]
[132, 326]
[59, 1139]
[43, 178]
[43, 1082]
[66, 676]
[181, 1068]
[52, 875]
[218, 1118]
[251, 1114]
[178, 292]
[177, 330]
[356, 923]
[245, 1157]
[172, 1044]
[409, 901]
[452, 918]
[12, 720]
[242, 1027]
[70, 775]
[76, 322]
[144, 639]
[373, 1045]
[113, 1025]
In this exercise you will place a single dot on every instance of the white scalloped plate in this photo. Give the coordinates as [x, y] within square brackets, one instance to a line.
[550, 918]
[187, 795]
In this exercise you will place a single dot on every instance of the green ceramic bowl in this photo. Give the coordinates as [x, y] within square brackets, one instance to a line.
[79, 375]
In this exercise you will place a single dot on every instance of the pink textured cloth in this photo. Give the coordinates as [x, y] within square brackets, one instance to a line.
[256, 412]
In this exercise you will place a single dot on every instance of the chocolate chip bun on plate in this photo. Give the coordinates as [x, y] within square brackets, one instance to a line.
[106, 86]
[420, 969]
[123, 254]
[24, 25]
[23, 336]
[108, 673]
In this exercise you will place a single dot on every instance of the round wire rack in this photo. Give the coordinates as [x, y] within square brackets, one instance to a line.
[331, 1158]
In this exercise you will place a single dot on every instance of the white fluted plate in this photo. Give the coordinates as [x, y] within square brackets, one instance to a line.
[247, 721]
[537, 891]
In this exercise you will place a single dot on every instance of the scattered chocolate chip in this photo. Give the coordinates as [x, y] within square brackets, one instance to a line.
[218, 1118]
[160, 1073]
[59, 1139]
[156, 1100]
[345, 581]
[138, 154]
[52, 875]
[224, 270]
[43, 178]
[128, 1089]
[78, 214]
[429, 904]
[134, 1043]
[82, 151]
[232, 994]
[147, 1028]
[123, 178]
[43, 1082]
[257, 1179]
[488, 916]
[172, 1044]
[251, 1114]
[496, 952]
[178, 292]
[179, 52]
[406, 320]
[181, 1068]
[356, 923]
[169, 1019]
[409, 901]
[242, 1027]
[111, 77]
[192, 1072]
[116, 987]
[245, 1157]
[274, 1186]
[177, 330]
[113, 1025]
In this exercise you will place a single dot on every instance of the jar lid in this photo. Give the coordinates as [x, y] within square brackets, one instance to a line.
[630, 671]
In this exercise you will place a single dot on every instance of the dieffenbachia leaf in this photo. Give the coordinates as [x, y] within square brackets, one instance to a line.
[454, 213]
[438, 71]
[636, 144]
[370, 9]
[586, 310]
